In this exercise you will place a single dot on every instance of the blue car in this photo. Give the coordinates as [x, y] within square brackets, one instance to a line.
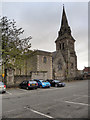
[43, 83]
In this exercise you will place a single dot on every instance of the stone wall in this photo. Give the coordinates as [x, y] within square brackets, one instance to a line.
[27, 65]
[36, 63]
[10, 77]
[39, 75]
[59, 66]
[20, 78]
[45, 65]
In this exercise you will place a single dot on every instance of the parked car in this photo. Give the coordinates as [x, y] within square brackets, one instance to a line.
[2, 87]
[56, 83]
[29, 84]
[43, 83]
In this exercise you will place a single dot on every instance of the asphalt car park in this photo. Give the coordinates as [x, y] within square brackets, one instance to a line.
[70, 101]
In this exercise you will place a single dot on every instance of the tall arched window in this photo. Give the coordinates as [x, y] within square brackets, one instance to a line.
[44, 59]
[60, 46]
[63, 46]
[72, 65]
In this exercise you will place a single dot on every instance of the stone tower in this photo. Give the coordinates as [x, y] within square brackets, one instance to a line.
[65, 50]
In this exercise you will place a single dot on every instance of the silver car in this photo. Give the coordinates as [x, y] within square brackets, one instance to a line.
[2, 87]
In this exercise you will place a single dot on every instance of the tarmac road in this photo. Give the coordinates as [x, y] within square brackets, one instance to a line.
[70, 101]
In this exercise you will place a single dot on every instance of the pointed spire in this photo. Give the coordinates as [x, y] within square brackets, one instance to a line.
[64, 18]
[64, 24]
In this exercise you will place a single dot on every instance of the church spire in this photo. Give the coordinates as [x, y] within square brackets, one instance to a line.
[64, 24]
[64, 19]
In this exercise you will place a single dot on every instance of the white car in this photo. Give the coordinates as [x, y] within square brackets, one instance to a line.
[2, 87]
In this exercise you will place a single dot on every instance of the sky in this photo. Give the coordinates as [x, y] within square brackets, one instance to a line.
[42, 21]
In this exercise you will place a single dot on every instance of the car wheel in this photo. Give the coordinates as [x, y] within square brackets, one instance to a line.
[3, 92]
[55, 85]
[27, 88]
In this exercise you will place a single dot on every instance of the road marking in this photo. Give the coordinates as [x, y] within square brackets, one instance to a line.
[34, 112]
[77, 98]
[38, 112]
[39, 90]
[82, 95]
[77, 103]
[10, 111]
[41, 113]
[23, 90]
[9, 93]
[7, 112]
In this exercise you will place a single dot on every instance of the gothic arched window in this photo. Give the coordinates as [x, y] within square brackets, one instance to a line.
[44, 59]
[72, 65]
[59, 66]
[63, 46]
[60, 46]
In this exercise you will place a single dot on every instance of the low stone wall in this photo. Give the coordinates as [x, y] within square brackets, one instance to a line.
[20, 78]
[39, 75]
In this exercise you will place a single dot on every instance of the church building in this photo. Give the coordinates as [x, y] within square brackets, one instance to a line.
[61, 64]
[64, 58]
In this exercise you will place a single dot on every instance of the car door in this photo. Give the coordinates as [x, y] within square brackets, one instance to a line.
[22, 84]
[53, 83]
[39, 83]
[26, 84]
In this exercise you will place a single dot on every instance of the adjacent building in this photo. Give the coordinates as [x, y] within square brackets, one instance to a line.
[86, 72]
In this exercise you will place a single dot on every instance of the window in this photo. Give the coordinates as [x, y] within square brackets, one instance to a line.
[59, 65]
[63, 46]
[60, 46]
[44, 59]
[72, 65]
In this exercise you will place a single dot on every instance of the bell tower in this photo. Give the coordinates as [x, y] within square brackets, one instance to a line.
[65, 44]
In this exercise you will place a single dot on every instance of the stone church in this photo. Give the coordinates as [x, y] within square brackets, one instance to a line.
[61, 64]
[64, 58]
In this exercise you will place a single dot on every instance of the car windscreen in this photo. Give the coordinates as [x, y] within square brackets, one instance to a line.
[1, 83]
[44, 81]
[32, 81]
[56, 81]
[41, 80]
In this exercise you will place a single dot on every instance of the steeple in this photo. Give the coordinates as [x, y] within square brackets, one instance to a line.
[64, 25]
[64, 19]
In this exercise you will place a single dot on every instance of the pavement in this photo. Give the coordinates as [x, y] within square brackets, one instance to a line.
[70, 101]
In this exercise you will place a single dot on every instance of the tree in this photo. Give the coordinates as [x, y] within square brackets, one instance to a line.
[13, 46]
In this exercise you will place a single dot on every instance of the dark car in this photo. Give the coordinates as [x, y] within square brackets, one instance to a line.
[56, 83]
[29, 84]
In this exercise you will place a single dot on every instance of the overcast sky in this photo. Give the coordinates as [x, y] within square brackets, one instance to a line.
[42, 21]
